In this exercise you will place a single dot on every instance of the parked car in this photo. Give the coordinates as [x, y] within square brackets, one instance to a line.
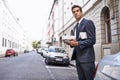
[57, 55]
[39, 51]
[26, 51]
[108, 68]
[10, 52]
[44, 52]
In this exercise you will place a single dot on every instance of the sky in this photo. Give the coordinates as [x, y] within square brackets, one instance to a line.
[32, 14]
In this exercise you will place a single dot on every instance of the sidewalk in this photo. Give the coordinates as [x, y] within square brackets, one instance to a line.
[72, 63]
[1, 55]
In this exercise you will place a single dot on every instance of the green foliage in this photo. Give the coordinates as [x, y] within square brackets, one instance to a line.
[36, 44]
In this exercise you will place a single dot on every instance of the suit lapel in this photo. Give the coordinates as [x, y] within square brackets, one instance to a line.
[81, 25]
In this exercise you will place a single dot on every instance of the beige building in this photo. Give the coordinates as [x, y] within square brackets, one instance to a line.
[105, 15]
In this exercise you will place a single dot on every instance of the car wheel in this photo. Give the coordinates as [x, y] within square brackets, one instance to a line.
[46, 61]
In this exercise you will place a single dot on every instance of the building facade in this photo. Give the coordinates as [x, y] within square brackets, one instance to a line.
[106, 17]
[53, 25]
[12, 34]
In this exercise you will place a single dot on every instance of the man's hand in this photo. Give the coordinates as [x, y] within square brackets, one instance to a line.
[67, 42]
[72, 42]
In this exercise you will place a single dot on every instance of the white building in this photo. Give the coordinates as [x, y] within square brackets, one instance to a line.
[11, 32]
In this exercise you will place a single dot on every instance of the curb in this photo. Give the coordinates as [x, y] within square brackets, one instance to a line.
[1, 56]
[72, 63]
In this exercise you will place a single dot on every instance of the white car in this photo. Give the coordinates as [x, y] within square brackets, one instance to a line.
[108, 68]
[45, 52]
[57, 55]
[39, 51]
[42, 51]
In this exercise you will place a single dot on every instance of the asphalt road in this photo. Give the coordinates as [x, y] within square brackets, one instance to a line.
[31, 66]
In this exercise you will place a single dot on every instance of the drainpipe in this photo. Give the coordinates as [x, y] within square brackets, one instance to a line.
[63, 16]
[62, 21]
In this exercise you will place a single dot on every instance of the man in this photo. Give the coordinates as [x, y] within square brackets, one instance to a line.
[83, 51]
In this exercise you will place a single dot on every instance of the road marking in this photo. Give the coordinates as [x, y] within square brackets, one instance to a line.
[61, 67]
[52, 76]
[56, 67]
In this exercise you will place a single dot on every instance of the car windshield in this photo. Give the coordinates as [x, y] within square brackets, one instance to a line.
[58, 50]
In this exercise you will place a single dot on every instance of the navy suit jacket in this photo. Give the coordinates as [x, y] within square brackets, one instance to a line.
[84, 52]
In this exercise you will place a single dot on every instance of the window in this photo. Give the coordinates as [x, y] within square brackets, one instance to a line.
[3, 42]
[107, 26]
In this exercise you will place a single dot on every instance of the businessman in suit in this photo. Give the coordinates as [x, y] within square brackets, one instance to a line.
[83, 51]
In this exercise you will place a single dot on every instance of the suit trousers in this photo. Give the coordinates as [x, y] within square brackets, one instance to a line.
[85, 70]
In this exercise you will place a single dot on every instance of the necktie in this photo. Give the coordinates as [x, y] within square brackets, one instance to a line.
[77, 31]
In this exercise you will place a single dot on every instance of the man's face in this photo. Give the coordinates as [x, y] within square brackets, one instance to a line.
[77, 13]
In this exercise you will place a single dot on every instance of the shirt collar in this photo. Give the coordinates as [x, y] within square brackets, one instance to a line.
[80, 20]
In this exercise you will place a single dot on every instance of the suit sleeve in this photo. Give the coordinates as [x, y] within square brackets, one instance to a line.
[91, 36]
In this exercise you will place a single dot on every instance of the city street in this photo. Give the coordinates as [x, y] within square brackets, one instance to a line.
[31, 66]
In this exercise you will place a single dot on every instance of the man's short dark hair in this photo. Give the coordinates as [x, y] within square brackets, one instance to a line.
[74, 6]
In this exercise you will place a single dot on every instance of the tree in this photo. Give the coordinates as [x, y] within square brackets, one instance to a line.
[36, 44]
